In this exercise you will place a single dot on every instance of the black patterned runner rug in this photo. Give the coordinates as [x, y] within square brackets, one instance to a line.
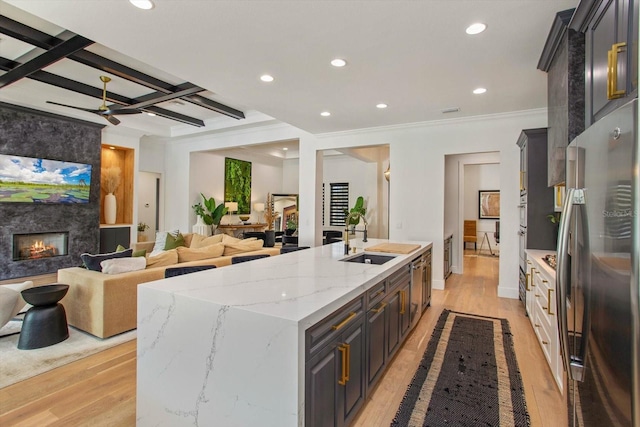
[468, 377]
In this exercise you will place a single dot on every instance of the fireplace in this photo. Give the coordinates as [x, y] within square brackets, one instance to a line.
[40, 245]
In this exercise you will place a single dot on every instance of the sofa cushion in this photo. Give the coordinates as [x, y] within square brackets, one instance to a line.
[195, 254]
[123, 265]
[174, 241]
[246, 245]
[163, 259]
[200, 241]
[161, 240]
[92, 262]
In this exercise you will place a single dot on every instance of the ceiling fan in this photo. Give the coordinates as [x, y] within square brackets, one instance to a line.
[103, 110]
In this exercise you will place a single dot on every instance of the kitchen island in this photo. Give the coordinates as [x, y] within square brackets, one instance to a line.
[228, 347]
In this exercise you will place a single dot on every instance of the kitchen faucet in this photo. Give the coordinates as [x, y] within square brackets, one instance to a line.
[346, 228]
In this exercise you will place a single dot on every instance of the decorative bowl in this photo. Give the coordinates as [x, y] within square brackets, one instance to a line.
[244, 217]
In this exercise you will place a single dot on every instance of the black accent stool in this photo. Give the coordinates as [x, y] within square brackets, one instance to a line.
[45, 323]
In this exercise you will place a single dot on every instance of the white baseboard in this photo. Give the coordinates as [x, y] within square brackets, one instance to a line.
[437, 284]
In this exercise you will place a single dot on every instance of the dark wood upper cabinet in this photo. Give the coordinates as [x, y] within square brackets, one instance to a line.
[611, 54]
[563, 58]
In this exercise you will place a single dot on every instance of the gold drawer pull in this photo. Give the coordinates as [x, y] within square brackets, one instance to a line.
[612, 71]
[549, 302]
[344, 322]
[402, 301]
[379, 309]
[537, 326]
[343, 378]
[544, 342]
[527, 282]
[537, 296]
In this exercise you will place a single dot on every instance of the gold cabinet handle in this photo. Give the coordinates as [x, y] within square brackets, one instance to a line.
[527, 282]
[533, 284]
[549, 302]
[343, 378]
[402, 310]
[612, 71]
[521, 180]
[537, 326]
[544, 342]
[380, 308]
[537, 296]
[344, 322]
[348, 347]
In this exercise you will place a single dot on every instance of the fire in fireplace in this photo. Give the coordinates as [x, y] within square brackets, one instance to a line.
[39, 245]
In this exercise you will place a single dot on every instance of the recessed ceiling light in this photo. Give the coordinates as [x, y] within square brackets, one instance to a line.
[151, 114]
[476, 28]
[325, 114]
[338, 62]
[285, 149]
[381, 105]
[112, 147]
[479, 90]
[266, 78]
[142, 4]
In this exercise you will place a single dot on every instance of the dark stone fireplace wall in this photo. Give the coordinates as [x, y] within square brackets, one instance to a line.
[31, 133]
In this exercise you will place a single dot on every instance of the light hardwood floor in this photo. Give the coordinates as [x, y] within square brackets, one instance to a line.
[100, 390]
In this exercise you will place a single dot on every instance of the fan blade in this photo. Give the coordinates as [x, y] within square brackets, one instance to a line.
[119, 112]
[74, 107]
[112, 120]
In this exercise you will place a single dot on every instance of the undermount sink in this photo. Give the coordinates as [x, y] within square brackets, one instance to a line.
[369, 259]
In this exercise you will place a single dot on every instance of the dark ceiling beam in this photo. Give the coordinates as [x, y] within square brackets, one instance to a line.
[147, 100]
[215, 106]
[45, 41]
[84, 89]
[54, 54]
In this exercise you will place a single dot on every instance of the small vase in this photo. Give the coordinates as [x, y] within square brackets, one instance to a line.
[110, 209]
[270, 238]
[201, 227]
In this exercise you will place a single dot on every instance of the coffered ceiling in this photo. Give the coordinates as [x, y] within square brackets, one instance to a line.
[413, 56]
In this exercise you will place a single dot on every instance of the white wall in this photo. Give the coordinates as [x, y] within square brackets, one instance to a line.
[417, 155]
[206, 175]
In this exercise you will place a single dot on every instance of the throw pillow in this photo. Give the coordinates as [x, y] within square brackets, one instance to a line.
[123, 265]
[196, 254]
[163, 259]
[173, 242]
[187, 239]
[139, 253]
[161, 240]
[200, 241]
[120, 248]
[246, 245]
[92, 262]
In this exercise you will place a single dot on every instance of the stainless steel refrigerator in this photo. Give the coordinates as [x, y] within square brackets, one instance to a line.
[597, 273]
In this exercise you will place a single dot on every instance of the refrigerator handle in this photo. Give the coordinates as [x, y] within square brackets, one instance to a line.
[561, 279]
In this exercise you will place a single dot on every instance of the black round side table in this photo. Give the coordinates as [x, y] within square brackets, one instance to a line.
[45, 323]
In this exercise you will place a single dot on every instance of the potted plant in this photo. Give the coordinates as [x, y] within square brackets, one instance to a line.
[357, 212]
[211, 213]
[142, 227]
[270, 217]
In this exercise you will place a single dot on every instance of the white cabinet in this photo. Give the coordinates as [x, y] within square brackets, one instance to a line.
[541, 309]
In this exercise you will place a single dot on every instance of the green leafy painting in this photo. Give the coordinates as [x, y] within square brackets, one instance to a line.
[237, 184]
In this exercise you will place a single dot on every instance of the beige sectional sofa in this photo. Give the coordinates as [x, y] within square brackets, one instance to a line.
[106, 304]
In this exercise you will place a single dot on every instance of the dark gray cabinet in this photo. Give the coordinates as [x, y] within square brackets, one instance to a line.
[563, 59]
[349, 350]
[111, 237]
[335, 370]
[448, 262]
[537, 232]
[611, 54]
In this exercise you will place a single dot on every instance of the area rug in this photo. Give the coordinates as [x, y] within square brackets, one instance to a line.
[468, 377]
[18, 365]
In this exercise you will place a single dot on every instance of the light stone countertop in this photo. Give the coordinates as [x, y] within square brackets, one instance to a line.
[226, 347]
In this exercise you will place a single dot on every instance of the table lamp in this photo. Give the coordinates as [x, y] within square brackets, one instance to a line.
[231, 207]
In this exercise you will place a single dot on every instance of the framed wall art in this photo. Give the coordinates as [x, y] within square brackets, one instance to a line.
[489, 204]
[237, 184]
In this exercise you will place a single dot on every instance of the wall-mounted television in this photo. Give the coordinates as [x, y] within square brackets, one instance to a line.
[31, 180]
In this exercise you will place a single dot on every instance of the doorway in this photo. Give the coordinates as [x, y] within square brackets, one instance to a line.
[149, 203]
